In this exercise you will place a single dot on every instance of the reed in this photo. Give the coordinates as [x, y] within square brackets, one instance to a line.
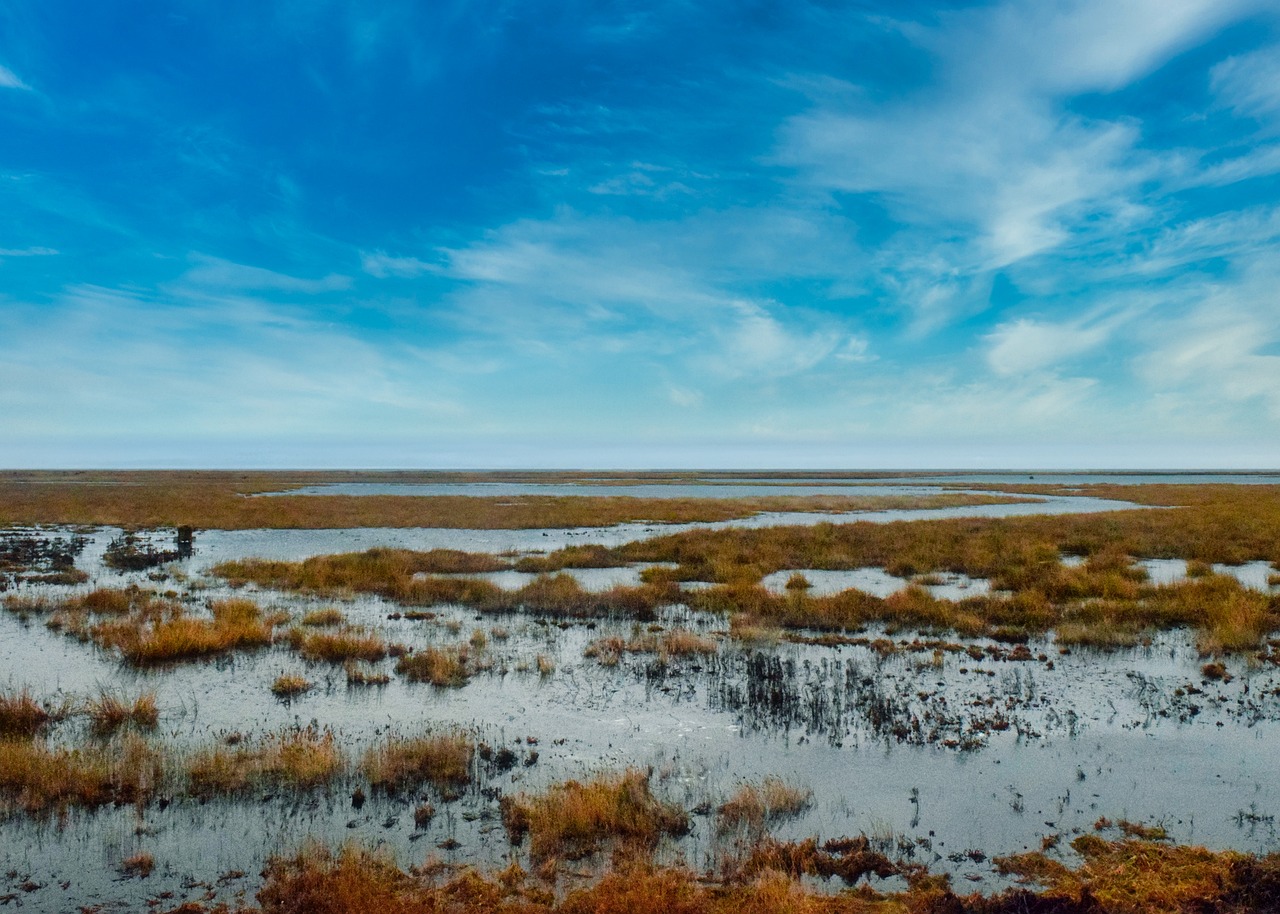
[324, 618]
[38, 779]
[148, 635]
[358, 675]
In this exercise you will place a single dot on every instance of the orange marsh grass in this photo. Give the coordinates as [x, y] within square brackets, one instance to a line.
[36, 778]
[143, 639]
[440, 666]
[110, 711]
[754, 807]
[402, 762]
[21, 716]
[346, 643]
[214, 500]
[1116, 878]
[303, 757]
[574, 820]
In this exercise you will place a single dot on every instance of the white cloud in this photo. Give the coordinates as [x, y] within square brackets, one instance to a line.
[383, 265]
[10, 80]
[1249, 84]
[1026, 345]
[27, 252]
[216, 273]
[988, 166]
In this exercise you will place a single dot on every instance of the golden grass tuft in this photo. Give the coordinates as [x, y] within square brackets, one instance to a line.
[298, 757]
[401, 762]
[138, 865]
[37, 779]
[291, 685]
[347, 643]
[158, 632]
[110, 711]
[445, 667]
[323, 618]
[1137, 876]
[753, 808]
[678, 642]
[358, 675]
[574, 820]
[21, 716]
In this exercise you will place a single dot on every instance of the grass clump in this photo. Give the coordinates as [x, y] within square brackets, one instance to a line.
[755, 807]
[1143, 877]
[574, 820]
[37, 779]
[159, 632]
[324, 618]
[291, 685]
[110, 711]
[445, 667]
[358, 675]
[299, 757]
[678, 642]
[401, 762]
[138, 865]
[347, 643]
[21, 716]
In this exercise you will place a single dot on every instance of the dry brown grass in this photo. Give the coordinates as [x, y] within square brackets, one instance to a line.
[21, 716]
[347, 643]
[291, 685]
[140, 865]
[1144, 877]
[38, 779]
[148, 635]
[111, 710]
[574, 820]
[678, 642]
[323, 618]
[1116, 878]
[358, 675]
[753, 808]
[297, 757]
[402, 762]
[445, 667]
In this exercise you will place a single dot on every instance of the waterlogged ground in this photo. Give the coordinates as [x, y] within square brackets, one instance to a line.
[944, 751]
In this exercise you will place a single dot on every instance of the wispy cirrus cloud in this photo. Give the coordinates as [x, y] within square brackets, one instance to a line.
[10, 80]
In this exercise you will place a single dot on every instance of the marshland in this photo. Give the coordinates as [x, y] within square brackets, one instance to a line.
[679, 691]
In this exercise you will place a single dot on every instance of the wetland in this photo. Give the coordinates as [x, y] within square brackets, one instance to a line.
[639, 692]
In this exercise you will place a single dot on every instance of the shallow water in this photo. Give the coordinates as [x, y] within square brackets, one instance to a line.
[875, 581]
[1253, 575]
[926, 747]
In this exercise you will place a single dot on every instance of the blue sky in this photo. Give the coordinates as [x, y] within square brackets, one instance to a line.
[616, 234]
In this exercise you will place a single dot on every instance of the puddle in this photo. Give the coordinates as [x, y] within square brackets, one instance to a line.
[878, 582]
[1253, 575]
[592, 580]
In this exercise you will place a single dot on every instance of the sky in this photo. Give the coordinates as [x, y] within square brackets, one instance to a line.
[724, 233]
